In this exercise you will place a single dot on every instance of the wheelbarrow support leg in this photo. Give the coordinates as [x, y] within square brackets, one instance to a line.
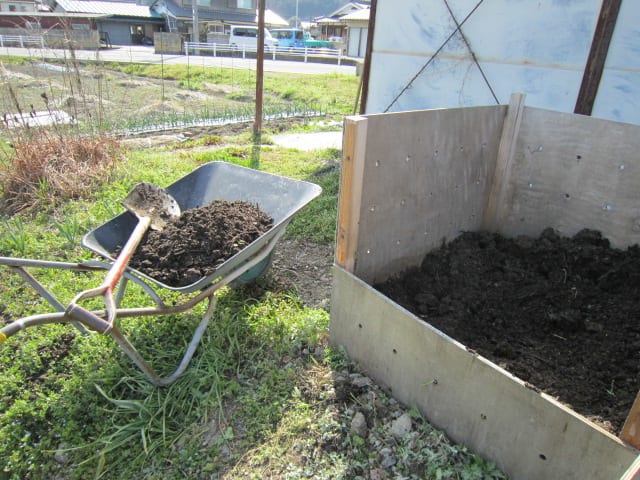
[142, 364]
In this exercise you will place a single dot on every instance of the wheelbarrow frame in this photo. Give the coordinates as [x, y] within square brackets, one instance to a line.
[278, 196]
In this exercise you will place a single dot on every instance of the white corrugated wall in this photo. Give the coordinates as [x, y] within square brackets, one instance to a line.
[538, 48]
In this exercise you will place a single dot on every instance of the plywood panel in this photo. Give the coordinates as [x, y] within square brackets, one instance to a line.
[527, 434]
[426, 177]
[571, 172]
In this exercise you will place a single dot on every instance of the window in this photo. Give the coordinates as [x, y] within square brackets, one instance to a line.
[248, 4]
[215, 28]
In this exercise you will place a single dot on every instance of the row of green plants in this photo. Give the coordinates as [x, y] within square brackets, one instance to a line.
[109, 97]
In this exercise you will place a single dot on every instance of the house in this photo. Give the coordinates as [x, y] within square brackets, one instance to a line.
[213, 16]
[335, 27]
[357, 23]
[119, 22]
[128, 22]
[18, 6]
[35, 19]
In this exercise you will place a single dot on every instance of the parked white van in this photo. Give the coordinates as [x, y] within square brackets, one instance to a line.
[247, 36]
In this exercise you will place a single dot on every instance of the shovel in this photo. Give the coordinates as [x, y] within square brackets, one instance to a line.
[154, 207]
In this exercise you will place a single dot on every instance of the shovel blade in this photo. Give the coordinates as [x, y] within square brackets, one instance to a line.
[148, 200]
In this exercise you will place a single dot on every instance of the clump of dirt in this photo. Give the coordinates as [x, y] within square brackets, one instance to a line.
[560, 313]
[192, 246]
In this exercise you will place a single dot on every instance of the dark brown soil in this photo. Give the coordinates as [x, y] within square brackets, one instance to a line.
[200, 240]
[562, 314]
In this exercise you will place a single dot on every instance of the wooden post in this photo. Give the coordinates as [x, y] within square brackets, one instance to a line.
[366, 72]
[631, 430]
[497, 195]
[257, 124]
[597, 56]
[350, 198]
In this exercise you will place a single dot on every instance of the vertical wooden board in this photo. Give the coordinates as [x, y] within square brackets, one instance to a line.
[528, 435]
[496, 205]
[426, 178]
[571, 172]
[350, 195]
[631, 429]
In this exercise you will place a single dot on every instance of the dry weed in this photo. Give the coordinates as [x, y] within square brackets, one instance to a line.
[42, 170]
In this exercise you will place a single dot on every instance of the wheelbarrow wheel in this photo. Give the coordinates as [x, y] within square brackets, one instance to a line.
[254, 273]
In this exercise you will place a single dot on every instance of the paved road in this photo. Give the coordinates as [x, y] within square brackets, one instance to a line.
[144, 54]
[309, 141]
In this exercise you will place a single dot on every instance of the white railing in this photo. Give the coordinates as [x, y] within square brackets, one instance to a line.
[21, 40]
[274, 53]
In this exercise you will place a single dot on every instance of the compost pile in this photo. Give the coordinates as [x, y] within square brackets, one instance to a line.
[562, 314]
[192, 246]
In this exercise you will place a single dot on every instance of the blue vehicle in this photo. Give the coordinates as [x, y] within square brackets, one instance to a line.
[289, 37]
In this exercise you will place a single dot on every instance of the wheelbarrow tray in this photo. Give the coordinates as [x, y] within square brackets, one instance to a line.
[279, 197]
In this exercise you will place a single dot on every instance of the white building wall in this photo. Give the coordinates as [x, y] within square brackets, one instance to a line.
[538, 48]
[357, 46]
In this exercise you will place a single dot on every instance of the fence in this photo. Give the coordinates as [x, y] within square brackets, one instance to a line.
[283, 53]
[21, 40]
[52, 38]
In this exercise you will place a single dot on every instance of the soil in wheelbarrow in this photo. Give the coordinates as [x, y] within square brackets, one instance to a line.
[192, 246]
[562, 314]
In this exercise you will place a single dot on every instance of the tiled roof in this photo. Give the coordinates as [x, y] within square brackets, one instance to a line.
[122, 9]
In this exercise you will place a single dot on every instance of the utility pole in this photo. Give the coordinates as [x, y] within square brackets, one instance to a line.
[196, 26]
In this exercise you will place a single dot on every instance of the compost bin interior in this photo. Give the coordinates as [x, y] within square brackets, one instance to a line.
[560, 313]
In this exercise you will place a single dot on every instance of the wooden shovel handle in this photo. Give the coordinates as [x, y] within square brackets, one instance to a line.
[117, 269]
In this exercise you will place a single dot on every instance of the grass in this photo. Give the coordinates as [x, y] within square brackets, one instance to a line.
[259, 399]
[63, 390]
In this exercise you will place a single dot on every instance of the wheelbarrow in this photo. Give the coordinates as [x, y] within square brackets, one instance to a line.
[279, 197]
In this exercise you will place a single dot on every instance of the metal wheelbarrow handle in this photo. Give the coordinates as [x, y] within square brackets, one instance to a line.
[109, 284]
[153, 206]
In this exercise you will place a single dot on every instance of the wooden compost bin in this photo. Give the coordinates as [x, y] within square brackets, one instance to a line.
[412, 179]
